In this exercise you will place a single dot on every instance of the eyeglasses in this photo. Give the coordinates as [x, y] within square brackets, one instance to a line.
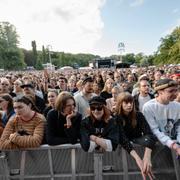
[98, 108]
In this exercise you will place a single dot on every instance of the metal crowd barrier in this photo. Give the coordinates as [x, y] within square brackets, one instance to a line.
[70, 162]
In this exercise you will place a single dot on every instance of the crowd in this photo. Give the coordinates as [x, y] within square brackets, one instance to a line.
[100, 109]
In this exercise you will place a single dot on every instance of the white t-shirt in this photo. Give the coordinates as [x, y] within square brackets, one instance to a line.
[142, 100]
[164, 120]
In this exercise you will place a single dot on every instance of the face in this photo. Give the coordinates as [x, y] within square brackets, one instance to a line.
[28, 90]
[17, 85]
[115, 93]
[144, 87]
[21, 109]
[69, 107]
[52, 97]
[168, 94]
[3, 104]
[110, 84]
[157, 76]
[127, 107]
[62, 84]
[97, 111]
[5, 86]
[88, 87]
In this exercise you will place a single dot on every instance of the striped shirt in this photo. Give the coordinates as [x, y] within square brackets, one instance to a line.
[23, 134]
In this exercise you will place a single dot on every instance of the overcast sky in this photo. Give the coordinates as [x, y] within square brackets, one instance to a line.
[92, 26]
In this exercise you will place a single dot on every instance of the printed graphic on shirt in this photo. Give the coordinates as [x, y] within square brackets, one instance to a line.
[171, 129]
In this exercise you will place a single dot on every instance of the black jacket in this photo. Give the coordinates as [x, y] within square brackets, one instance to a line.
[128, 133]
[57, 133]
[98, 128]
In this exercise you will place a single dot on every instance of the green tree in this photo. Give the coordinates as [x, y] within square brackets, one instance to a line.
[169, 49]
[11, 57]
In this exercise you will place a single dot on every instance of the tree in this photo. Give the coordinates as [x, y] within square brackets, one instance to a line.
[11, 56]
[169, 49]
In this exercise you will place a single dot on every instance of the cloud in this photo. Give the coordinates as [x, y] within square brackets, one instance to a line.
[136, 3]
[70, 26]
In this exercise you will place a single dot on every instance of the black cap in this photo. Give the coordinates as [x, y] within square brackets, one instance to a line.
[97, 100]
[27, 85]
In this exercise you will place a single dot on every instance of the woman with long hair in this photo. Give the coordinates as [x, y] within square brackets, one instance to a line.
[63, 122]
[51, 98]
[6, 104]
[26, 128]
[106, 92]
[98, 130]
[134, 129]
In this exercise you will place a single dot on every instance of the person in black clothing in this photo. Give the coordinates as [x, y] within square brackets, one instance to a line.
[134, 129]
[29, 89]
[106, 92]
[51, 97]
[63, 123]
[99, 131]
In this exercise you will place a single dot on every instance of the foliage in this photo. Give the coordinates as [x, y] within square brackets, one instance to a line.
[11, 57]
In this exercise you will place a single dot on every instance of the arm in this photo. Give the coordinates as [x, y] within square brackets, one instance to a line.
[151, 119]
[52, 128]
[5, 142]
[73, 131]
[30, 141]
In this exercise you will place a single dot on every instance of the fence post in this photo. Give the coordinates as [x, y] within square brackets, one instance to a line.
[98, 166]
[4, 166]
[73, 163]
[176, 163]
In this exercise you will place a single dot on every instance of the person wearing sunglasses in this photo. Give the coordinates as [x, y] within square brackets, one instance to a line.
[98, 130]
[63, 122]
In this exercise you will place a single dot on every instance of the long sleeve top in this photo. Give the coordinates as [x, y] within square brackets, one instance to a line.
[128, 132]
[57, 133]
[33, 136]
[101, 129]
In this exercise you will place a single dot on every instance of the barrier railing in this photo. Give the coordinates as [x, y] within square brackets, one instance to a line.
[65, 162]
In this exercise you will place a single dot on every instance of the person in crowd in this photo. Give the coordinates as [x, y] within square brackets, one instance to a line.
[106, 92]
[25, 129]
[98, 130]
[163, 114]
[17, 87]
[63, 122]
[6, 87]
[143, 96]
[111, 102]
[72, 86]
[6, 104]
[82, 98]
[130, 82]
[51, 97]
[178, 95]
[134, 130]
[62, 84]
[29, 89]
[97, 88]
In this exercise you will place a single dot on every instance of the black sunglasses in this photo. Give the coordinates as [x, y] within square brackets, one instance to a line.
[98, 108]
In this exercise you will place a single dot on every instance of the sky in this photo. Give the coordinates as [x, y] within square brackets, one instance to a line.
[92, 26]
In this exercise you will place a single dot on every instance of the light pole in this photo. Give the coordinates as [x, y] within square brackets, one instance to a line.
[121, 49]
[49, 47]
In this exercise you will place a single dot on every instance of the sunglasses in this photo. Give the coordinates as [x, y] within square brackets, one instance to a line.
[98, 108]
